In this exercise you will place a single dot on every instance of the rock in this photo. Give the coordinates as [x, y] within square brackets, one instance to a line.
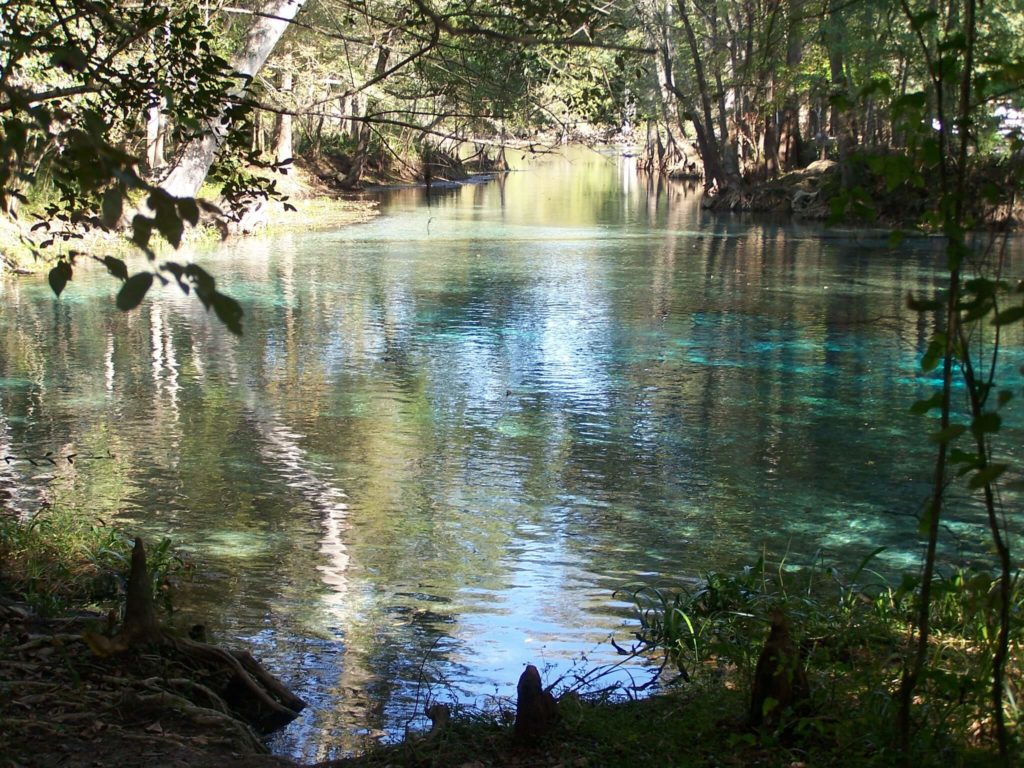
[820, 167]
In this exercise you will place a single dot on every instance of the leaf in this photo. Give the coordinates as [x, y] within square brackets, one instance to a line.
[228, 311]
[116, 267]
[188, 209]
[59, 277]
[986, 423]
[111, 207]
[69, 59]
[1008, 316]
[922, 305]
[203, 282]
[931, 152]
[955, 42]
[947, 435]
[170, 225]
[966, 458]
[935, 352]
[986, 476]
[919, 20]
[922, 407]
[134, 290]
[142, 230]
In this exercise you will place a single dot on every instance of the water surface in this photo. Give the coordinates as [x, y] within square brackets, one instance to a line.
[447, 436]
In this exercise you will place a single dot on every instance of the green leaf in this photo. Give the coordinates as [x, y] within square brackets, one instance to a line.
[134, 290]
[59, 277]
[960, 456]
[1008, 316]
[977, 309]
[111, 207]
[1005, 396]
[955, 42]
[935, 352]
[947, 435]
[919, 20]
[931, 152]
[986, 476]
[986, 423]
[922, 305]
[229, 311]
[116, 267]
[142, 230]
[922, 407]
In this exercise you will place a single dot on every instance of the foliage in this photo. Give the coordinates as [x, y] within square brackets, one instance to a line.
[853, 629]
[62, 560]
[77, 77]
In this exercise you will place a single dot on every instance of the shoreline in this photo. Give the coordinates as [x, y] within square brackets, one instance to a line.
[804, 196]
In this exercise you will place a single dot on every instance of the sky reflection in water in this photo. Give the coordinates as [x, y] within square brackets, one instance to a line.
[449, 435]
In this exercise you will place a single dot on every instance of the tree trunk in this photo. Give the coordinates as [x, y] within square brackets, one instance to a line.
[707, 142]
[790, 142]
[283, 150]
[355, 171]
[155, 131]
[842, 128]
[195, 159]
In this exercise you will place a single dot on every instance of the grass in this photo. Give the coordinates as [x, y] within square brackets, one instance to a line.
[316, 207]
[853, 630]
[854, 635]
[62, 560]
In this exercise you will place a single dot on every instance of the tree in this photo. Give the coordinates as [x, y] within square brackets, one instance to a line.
[76, 77]
[195, 158]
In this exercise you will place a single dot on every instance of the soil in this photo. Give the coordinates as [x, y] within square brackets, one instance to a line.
[62, 704]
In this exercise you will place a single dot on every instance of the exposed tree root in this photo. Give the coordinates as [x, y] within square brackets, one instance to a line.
[175, 695]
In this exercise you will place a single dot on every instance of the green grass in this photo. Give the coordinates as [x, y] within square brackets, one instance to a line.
[854, 633]
[62, 560]
[853, 630]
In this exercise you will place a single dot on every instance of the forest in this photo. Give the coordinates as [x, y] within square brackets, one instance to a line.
[134, 135]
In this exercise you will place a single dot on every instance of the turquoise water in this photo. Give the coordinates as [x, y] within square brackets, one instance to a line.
[448, 435]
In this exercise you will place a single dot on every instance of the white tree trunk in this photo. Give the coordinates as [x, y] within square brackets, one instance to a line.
[194, 161]
[155, 126]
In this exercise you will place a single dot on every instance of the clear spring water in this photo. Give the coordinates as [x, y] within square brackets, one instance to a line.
[447, 436]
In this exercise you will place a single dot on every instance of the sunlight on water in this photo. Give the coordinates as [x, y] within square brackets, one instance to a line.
[450, 434]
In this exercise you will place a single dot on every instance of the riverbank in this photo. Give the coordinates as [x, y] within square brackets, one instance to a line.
[72, 698]
[310, 204]
[879, 190]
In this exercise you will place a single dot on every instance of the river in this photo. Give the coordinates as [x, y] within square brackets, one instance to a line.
[448, 435]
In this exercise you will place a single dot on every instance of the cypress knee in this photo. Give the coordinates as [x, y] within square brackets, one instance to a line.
[779, 680]
[536, 709]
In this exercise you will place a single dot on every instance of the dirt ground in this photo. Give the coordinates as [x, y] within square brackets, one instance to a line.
[61, 704]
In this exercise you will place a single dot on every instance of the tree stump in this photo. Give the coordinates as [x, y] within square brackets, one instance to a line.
[780, 681]
[250, 692]
[536, 709]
